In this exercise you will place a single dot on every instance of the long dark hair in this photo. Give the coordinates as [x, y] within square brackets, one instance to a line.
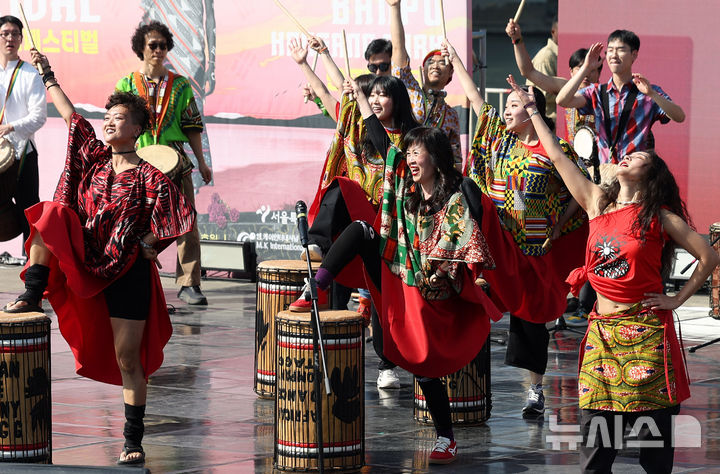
[447, 177]
[659, 190]
[402, 114]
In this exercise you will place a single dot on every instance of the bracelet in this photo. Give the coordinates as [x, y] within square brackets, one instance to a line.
[52, 85]
[47, 76]
[517, 41]
[534, 113]
[322, 50]
[529, 104]
[145, 245]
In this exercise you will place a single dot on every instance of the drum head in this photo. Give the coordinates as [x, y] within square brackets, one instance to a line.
[288, 265]
[7, 155]
[584, 142]
[161, 157]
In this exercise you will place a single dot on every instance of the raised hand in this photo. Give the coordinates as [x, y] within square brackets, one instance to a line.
[351, 87]
[525, 97]
[593, 59]
[37, 58]
[317, 43]
[447, 50]
[642, 83]
[297, 51]
[513, 30]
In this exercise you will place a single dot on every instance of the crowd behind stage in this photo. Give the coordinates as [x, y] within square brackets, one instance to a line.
[438, 244]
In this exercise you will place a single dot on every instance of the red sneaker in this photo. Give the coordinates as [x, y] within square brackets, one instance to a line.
[364, 310]
[301, 305]
[444, 452]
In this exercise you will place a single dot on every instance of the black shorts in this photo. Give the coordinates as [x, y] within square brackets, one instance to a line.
[128, 297]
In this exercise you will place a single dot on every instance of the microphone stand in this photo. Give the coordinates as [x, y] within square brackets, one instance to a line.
[318, 353]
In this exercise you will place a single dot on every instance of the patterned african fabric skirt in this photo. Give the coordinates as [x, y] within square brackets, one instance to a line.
[626, 362]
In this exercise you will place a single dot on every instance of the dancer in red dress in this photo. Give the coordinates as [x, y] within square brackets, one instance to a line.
[91, 251]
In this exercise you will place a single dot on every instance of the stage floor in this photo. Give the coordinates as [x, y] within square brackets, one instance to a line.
[203, 416]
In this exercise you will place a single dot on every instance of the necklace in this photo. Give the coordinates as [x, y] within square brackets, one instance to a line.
[625, 203]
[123, 152]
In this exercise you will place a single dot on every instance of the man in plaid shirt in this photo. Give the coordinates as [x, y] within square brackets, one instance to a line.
[627, 106]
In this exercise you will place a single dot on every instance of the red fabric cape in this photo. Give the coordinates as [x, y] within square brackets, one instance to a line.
[531, 288]
[78, 300]
[432, 338]
[360, 209]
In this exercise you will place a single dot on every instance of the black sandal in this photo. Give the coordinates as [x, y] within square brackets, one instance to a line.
[127, 451]
[30, 307]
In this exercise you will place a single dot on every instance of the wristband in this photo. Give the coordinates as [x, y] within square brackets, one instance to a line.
[517, 41]
[145, 245]
[529, 104]
[52, 85]
[322, 50]
[534, 113]
[47, 76]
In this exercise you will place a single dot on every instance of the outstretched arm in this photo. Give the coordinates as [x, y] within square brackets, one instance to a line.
[568, 96]
[524, 62]
[466, 80]
[671, 109]
[61, 101]
[299, 54]
[336, 76]
[698, 247]
[586, 193]
[400, 55]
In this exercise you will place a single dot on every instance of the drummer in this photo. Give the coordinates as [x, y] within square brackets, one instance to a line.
[95, 244]
[175, 120]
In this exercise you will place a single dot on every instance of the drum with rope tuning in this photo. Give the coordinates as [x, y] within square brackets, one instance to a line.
[163, 158]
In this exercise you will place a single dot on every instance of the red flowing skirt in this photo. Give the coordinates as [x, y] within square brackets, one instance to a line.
[77, 297]
[531, 288]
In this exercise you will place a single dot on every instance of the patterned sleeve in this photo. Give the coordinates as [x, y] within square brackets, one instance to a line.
[83, 150]
[171, 215]
[589, 92]
[489, 129]
[417, 99]
[658, 112]
[190, 118]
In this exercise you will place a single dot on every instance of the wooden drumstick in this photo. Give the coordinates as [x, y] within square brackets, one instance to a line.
[317, 55]
[347, 61]
[546, 244]
[32, 41]
[297, 23]
[444, 28]
[519, 11]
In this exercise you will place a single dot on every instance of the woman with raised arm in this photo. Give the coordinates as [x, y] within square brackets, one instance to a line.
[424, 258]
[631, 363]
[93, 249]
[540, 234]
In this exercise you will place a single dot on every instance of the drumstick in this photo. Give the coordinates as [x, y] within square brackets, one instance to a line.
[347, 62]
[32, 41]
[317, 55]
[297, 23]
[519, 11]
[546, 244]
[444, 28]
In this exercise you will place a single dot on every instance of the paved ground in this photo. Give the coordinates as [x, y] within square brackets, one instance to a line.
[203, 415]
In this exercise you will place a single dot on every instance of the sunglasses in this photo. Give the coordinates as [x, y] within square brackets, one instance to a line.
[373, 68]
[154, 46]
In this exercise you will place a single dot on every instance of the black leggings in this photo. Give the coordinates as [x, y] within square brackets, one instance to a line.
[359, 238]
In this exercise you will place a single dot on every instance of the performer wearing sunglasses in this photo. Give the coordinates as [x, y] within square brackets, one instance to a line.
[428, 99]
[175, 119]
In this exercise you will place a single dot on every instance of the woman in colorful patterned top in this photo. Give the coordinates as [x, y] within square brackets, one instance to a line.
[631, 363]
[430, 242]
[91, 250]
[538, 240]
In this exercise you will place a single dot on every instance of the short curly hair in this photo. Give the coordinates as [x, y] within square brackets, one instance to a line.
[137, 107]
[138, 38]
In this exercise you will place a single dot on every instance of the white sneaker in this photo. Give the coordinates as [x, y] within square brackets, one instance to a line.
[316, 254]
[388, 379]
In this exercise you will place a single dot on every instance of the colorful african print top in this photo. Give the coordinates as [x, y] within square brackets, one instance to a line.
[115, 211]
[643, 114]
[521, 181]
[431, 110]
[173, 107]
[414, 244]
[347, 158]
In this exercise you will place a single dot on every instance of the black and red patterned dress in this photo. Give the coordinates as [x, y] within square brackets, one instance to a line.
[92, 228]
